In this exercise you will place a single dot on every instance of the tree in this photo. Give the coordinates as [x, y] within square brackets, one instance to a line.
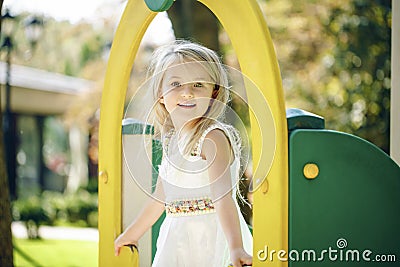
[6, 251]
[335, 61]
[362, 64]
[191, 19]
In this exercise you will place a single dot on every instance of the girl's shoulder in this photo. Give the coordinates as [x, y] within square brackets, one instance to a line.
[229, 131]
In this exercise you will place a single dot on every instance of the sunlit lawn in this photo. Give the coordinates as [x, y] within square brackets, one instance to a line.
[49, 253]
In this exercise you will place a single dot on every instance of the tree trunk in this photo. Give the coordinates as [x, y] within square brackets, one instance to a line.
[6, 251]
[192, 20]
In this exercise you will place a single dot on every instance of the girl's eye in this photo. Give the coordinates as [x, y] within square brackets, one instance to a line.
[198, 85]
[175, 84]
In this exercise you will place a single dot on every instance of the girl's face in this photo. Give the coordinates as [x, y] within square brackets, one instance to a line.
[186, 91]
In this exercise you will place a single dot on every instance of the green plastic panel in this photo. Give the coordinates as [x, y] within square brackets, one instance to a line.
[301, 119]
[156, 160]
[159, 5]
[353, 205]
[133, 127]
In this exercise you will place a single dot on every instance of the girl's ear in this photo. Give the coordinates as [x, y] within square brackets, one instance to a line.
[215, 91]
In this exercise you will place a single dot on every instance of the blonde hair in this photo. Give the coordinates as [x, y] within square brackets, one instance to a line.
[184, 51]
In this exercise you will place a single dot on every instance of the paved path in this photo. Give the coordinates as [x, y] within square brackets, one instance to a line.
[56, 232]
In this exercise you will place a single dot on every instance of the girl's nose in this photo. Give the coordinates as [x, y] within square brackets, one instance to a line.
[187, 90]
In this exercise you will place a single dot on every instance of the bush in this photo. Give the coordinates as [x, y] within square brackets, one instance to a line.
[80, 205]
[52, 207]
[33, 212]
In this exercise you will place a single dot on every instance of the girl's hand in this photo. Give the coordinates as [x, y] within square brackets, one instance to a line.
[123, 241]
[240, 258]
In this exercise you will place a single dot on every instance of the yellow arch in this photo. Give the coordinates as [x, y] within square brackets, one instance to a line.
[251, 40]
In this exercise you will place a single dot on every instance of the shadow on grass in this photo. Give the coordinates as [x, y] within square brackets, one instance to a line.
[28, 258]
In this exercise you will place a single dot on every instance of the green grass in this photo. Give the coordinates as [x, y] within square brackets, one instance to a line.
[54, 253]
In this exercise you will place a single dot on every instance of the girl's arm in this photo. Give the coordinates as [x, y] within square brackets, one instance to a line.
[217, 150]
[150, 213]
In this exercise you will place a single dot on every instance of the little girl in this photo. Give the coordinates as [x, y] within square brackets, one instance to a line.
[200, 165]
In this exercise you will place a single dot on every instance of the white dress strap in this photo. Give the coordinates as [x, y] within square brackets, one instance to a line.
[230, 132]
[166, 140]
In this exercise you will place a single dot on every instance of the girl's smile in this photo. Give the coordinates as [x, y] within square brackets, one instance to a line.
[187, 105]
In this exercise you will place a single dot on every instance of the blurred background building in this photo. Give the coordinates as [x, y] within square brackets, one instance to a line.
[42, 156]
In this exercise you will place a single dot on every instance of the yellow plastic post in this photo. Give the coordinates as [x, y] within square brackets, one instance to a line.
[131, 29]
[254, 48]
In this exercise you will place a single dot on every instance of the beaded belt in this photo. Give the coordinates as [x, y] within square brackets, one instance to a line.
[186, 207]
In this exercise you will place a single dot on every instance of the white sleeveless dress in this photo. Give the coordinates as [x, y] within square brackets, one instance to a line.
[195, 238]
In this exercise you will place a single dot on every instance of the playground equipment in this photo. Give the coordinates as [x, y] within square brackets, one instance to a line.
[334, 177]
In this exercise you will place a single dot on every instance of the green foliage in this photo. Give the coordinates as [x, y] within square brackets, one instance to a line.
[362, 65]
[335, 61]
[34, 212]
[53, 207]
[81, 206]
[92, 186]
[68, 68]
[64, 47]
[91, 49]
